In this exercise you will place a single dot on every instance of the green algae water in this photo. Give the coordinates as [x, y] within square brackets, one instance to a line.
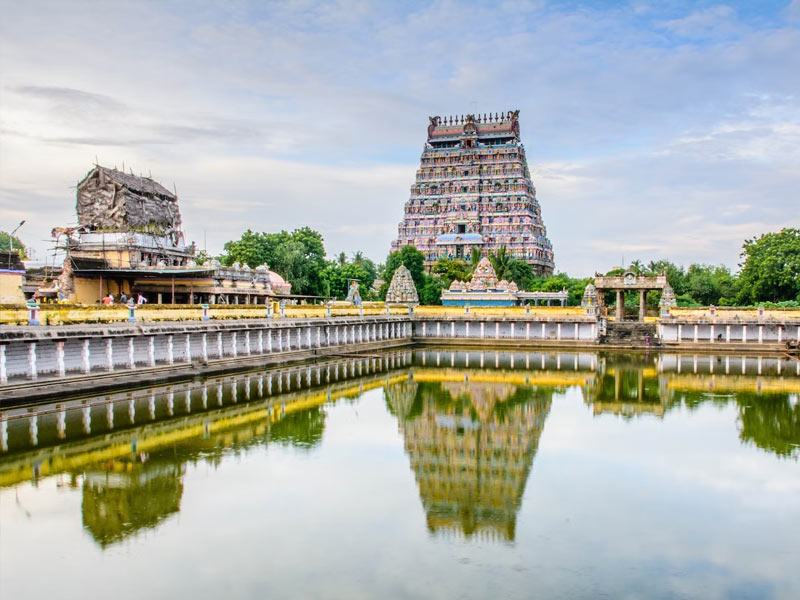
[424, 473]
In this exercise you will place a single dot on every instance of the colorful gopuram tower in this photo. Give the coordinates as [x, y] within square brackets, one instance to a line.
[474, 191]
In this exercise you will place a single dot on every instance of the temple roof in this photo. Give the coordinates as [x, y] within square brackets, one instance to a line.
[458, 125]
[141, 185]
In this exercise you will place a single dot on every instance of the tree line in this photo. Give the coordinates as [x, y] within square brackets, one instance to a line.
[769, 272]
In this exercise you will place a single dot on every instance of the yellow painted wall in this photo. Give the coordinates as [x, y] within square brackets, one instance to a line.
[88, 289]
[544, 312]
[94, 313]
[11, 288]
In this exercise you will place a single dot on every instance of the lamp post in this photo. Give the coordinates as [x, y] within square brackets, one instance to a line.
[11, 241]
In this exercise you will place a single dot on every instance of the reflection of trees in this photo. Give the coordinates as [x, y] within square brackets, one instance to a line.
[471, 446]
[770, 422]
[302, 429]
[118, 504]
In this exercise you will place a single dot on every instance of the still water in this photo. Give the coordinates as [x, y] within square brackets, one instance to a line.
[415, 474]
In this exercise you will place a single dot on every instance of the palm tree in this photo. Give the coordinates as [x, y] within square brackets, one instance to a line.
[501, 261]
[342, 258]
[358, 257]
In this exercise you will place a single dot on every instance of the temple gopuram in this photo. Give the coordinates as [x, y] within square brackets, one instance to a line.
[473, 191]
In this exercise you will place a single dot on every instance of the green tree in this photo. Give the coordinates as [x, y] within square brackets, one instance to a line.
[501, 261]
[520, 273]
[771, 267]
[290, 262]
[365, 263]
[5, 244]
[431, 292]
[299, 257]
[700, 284]
[449, 270]
[337, 279]
[475, 257]
[413, 259]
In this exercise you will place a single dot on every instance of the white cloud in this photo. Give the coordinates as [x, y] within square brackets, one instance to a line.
[279, 116]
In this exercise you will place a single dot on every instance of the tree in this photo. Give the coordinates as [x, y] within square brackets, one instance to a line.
[5, 244]
[365, 263]
[413, 259]
[475, 257]
[520, 273]
[501, 261]
[299, 257]
[700, 284]
[771, 267]
[290, 262]
[431, 291]
[450, 270]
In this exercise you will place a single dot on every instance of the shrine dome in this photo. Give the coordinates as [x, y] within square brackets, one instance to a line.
[278, 284]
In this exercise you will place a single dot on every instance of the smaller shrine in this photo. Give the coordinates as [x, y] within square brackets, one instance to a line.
[591, 301]
[402, 289]
[483, 289]
[353, 295]
[667, 301]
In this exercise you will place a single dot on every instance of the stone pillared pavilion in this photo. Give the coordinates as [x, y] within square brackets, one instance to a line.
[473, 191]
[402, 289]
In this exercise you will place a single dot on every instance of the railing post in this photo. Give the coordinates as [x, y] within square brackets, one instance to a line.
[33, 312]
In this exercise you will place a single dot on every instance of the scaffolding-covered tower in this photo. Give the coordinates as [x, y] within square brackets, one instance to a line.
[473, 190]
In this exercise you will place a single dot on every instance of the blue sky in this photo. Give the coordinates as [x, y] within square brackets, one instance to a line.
[653, 129]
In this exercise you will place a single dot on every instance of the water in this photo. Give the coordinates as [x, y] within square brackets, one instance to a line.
[416, 474]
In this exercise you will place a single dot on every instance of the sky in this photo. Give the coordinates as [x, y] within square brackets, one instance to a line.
[653, 130]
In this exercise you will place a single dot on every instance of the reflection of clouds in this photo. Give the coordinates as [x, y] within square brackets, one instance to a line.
[698, 449]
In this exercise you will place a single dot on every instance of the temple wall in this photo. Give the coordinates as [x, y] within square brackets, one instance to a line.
[11, 287]
[41, 353]
[687, 332]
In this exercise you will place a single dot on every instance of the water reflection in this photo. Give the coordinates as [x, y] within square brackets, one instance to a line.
[471, 423]
[128, 451]
[471, 439]
[129, 496]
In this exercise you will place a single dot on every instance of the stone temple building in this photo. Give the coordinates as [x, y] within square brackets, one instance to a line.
[129, 240]
[473, 190]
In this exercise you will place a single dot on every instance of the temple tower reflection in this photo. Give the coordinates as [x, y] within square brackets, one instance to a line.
[471, 445]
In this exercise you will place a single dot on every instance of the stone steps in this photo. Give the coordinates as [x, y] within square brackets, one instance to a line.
[625, 333]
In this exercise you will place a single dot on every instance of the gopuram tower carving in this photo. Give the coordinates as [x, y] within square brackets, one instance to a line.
[473, 190]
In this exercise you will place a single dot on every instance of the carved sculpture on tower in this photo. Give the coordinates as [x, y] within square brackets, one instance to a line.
[402, 289]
